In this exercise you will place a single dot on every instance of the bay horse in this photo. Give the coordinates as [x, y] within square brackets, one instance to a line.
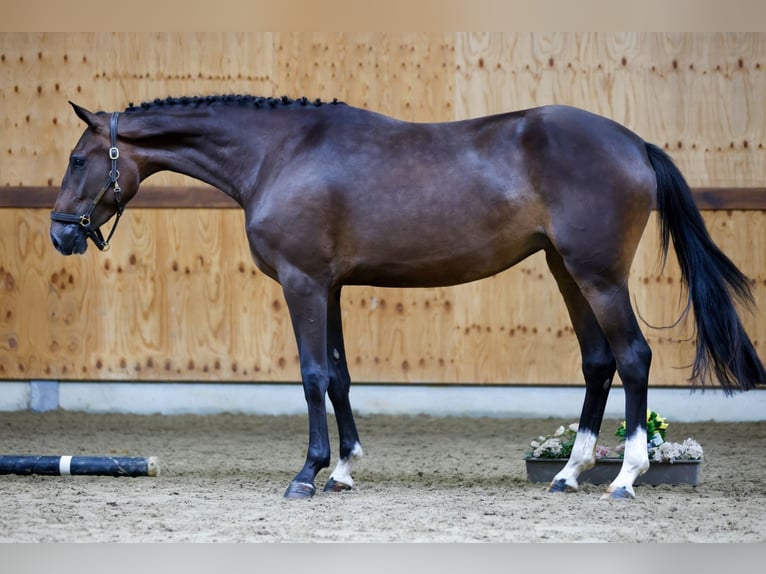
[336, 195]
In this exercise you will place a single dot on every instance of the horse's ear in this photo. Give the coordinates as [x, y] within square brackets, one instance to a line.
[88, 117]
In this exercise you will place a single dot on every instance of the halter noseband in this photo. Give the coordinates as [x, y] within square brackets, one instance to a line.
[84, 219]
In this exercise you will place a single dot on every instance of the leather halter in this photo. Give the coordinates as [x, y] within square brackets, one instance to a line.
[84, 220]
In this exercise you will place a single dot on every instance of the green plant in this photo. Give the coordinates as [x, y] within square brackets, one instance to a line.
[655, 429]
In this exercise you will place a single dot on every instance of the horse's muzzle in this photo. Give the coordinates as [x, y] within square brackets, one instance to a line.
[68, 238]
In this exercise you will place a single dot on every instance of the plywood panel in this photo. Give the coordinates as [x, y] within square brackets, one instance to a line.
[409, 76]
[178, 297]
[699, 95]
[106, 71]
[173, 299]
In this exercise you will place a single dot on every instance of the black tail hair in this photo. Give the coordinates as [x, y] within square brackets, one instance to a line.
[724, 351]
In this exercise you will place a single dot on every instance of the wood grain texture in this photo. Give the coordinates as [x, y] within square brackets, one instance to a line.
[698, 95]
[178, 297]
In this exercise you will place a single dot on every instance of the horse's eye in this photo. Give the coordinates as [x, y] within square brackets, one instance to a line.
[78, 162]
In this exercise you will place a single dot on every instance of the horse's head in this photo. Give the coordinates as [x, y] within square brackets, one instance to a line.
[100, 178]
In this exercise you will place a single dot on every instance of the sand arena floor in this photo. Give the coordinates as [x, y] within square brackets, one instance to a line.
[423, 479]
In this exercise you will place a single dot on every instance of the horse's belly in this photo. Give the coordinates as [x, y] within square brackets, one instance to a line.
[441, 266]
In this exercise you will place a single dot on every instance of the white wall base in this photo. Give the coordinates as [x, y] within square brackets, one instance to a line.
[14, 396]
[287, 399]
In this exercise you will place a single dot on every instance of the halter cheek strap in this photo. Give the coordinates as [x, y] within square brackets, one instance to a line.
[112, 181]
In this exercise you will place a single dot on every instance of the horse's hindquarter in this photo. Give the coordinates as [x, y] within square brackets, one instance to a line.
[595, 177]
[398, 204]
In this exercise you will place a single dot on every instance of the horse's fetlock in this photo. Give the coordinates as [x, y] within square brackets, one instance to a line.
[319, 459]
[588, 462]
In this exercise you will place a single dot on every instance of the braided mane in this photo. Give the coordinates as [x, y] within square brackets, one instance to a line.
[234, 99]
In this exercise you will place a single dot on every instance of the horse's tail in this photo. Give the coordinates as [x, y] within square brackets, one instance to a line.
[724, 350]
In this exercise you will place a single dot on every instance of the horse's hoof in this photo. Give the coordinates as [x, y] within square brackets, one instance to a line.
[335, 486]
[560, 485]
[300, 491]
[621, 493]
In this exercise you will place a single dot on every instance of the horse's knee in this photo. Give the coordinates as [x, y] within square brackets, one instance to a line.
[315, 383]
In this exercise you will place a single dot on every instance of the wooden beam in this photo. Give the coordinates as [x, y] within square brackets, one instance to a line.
[161, 197]
[149, 197]
[730, 198]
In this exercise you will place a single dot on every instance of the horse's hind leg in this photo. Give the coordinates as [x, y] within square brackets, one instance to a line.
[607, 294]
[340, 383]
[598, 367]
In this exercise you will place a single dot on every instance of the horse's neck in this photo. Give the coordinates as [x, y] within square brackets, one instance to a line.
[213, 148]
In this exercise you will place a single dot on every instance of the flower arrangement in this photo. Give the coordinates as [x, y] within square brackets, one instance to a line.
[559, 444]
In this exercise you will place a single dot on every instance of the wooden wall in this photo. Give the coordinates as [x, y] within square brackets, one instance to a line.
[178, 298]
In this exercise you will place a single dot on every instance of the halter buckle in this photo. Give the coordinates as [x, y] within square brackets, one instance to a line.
[114, 153]
[85, 220]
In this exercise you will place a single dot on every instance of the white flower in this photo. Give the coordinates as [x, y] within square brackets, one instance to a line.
[559, 431]
[690, 449]
[693, 449]
[551, 446]
[574, 427]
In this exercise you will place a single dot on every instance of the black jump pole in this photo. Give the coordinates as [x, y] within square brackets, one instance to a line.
[79, 465]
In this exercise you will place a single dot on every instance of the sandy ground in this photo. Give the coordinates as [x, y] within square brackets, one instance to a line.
[423, 479]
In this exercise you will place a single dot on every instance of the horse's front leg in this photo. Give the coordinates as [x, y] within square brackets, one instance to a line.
[307, 302]
[340, 383]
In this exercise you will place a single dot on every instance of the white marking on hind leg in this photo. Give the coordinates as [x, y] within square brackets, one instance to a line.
[582, 458]
[634, 464]
[342, 472]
